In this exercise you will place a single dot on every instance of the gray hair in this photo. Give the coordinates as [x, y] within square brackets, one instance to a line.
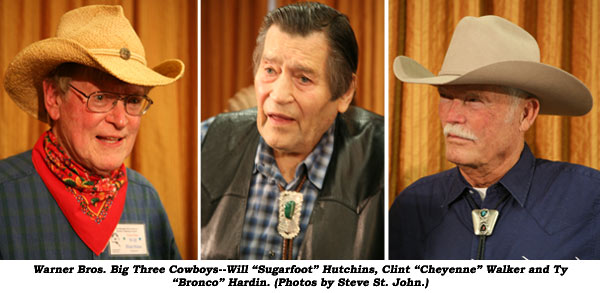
[517, 95]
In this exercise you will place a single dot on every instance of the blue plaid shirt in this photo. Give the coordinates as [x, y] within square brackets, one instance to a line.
[32, 225]
[260, 239]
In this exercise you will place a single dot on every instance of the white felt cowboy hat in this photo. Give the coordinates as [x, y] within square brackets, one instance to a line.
[98, 36]
[493, 51]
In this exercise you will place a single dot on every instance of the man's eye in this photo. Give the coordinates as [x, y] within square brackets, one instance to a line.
[304, 79]
[98, 98]
[134, 100]
[269, 70]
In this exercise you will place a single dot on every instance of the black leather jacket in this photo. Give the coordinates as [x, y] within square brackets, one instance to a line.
[347, 219]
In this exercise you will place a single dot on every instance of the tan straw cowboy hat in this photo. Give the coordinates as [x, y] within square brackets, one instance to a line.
[98, 36]
[492, 50]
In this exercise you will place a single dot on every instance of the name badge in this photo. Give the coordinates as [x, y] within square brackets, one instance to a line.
[129, 239]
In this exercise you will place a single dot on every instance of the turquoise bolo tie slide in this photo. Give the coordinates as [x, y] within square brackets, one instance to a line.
[290, 206]
[484, 221]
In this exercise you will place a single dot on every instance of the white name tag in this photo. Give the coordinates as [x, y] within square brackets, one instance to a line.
[129, 239]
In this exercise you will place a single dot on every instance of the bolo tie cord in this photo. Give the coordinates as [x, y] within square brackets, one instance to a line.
[288, 244]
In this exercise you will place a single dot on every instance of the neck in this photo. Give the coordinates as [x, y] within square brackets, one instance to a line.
[287, 163]
[63, 143]
[485, 175]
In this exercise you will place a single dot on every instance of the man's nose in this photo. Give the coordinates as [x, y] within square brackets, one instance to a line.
[455, 111]
[282, 90]
[118, 115]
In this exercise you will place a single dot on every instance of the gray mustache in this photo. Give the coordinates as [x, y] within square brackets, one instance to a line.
[459, 130]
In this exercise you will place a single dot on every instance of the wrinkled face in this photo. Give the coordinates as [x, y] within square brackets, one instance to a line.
[100, 142]
[481, 124]
[293, 97]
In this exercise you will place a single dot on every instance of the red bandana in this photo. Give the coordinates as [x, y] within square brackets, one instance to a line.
[92, 204]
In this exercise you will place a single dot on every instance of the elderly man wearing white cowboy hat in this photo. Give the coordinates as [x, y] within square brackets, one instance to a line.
[500, 202]
[66, 198]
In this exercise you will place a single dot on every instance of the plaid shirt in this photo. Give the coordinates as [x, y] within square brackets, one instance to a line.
[260, 239]
[32, 226]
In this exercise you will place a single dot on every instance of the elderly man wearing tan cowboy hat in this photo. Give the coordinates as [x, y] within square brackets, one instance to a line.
[500, 202]
[71, 197]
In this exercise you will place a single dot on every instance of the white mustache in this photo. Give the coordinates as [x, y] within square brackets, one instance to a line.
[459, 130]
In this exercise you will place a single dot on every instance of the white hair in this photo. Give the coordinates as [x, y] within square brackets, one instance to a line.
[517, 95]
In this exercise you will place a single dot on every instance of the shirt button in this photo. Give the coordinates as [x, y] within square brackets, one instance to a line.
[271, 254]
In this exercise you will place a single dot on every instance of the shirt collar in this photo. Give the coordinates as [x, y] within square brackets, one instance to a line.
[517, 180]
[458, 184]
[315, 164]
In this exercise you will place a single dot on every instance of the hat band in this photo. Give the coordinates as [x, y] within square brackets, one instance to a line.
[119, 53]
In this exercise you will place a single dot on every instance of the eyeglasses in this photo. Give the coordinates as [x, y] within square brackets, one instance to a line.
[102, 102]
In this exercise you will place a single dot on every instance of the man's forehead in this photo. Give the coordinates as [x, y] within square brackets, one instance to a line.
[304, 50]
[276, 37]
[106, 82]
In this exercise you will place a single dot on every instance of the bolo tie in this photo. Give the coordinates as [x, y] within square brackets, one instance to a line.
[484, 221]
[290, 206]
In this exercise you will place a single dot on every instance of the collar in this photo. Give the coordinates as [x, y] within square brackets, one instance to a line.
[517, 180]
[315, 164]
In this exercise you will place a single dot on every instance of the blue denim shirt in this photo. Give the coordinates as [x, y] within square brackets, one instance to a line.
[551, 213]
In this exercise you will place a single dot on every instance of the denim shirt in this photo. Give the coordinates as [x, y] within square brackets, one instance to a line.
[551, 212]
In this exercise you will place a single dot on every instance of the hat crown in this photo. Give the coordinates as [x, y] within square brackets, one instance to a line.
[481, 41]
[102, 27]
[97, 36]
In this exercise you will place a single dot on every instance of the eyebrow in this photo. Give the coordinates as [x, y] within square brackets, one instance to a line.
[295, 67]
[304, 69]
[472, 95]
[270, 59]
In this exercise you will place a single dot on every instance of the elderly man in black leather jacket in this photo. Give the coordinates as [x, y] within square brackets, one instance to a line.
[300, 176]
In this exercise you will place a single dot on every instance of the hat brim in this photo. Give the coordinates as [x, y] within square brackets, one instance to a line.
[24, 75]
[559, 92]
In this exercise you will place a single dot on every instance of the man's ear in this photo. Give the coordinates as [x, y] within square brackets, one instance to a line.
[52, 99]
[345, 100]
[529, 113]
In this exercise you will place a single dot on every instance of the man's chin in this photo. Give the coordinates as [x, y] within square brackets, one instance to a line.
[275, 139]
[106, 167]
[279, 147]
[460, 158]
